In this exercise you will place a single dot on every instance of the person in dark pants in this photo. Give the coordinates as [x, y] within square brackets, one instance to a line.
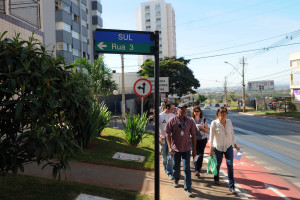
[201, 137]
[221, 142]
[179, 129]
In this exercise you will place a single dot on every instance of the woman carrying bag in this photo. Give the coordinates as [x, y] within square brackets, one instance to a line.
[221, 142]
[201, 137]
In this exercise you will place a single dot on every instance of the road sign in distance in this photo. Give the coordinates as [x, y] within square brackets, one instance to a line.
[142, 87]
[124, 41]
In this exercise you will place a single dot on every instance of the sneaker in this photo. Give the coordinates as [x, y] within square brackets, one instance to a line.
[217, 182]
[176, 184]
[170, 176]
[232, 191]
[189, 193]
[197, 174]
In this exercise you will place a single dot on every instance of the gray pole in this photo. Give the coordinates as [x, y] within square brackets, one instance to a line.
[156, 107]
[243, 75]
[123, 88]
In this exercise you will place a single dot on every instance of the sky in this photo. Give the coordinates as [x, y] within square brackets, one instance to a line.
[209, 33]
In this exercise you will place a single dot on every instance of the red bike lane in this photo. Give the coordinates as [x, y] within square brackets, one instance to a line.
[260, 183]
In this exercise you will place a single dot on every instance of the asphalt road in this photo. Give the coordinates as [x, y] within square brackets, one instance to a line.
[273, 144]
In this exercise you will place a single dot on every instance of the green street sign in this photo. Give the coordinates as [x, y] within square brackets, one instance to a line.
[123, 47]
[124, 42]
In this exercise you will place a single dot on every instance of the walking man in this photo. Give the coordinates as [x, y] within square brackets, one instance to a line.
[179, 129]
[167, 159]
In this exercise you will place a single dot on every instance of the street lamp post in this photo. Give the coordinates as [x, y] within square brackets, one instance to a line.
[115, 92]
[243, 83]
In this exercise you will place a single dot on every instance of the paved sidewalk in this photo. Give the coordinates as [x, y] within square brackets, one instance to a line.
[139, 181]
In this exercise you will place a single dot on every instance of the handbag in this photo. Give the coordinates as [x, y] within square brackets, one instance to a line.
[212, 164]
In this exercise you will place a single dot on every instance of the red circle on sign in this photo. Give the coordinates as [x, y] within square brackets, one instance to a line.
[140, 95]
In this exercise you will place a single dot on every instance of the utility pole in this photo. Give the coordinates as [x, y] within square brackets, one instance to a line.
[123, 88]
[225, 91]
[243, 75]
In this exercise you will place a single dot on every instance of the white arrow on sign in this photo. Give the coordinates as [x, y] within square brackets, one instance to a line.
[101, 45]
[274, 189]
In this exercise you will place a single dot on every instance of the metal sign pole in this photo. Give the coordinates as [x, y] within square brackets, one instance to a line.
[142, 106]
[156, 107]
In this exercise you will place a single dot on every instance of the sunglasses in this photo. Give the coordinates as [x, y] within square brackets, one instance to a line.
[197, 111]
[225, 112]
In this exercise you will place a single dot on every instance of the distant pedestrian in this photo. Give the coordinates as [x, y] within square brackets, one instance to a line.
[202, 129]
[167, 159]
[221, 141]
[179, 129]
[162, 107]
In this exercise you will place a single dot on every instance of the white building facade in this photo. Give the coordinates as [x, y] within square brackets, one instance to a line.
[158, 15]
[294, 59]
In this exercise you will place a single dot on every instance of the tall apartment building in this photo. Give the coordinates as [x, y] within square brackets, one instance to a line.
[158, 15]
[294, 59]
[26, 17]
[75, 22]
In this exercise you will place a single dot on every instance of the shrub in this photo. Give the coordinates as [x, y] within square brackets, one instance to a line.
[97, 120]
[288, 106]
[135, 128]
[39, 107]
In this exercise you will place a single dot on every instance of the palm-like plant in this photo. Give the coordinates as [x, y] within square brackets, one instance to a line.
[135, 128]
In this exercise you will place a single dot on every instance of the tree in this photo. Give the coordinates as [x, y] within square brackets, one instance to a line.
[200, 98]
[99, 75]
[231, 96]
[181, 78]
[40, 107]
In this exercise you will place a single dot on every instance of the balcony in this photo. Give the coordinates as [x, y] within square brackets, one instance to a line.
[295, 85]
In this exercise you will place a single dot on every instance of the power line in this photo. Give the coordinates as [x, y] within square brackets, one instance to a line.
[245, 51]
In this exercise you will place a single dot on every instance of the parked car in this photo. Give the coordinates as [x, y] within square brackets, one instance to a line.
[206, 106]
[217, 105]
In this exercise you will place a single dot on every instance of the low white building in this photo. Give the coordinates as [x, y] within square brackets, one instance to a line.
[294, 59]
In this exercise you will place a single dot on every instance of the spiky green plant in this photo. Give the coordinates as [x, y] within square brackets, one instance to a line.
[135, 128]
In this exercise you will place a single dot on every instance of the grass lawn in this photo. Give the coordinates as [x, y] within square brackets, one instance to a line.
[112, 141]
[276, 113]
[32, 188]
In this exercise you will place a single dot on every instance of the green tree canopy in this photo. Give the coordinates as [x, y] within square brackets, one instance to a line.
[181, 78]
[200, 98]
[100, 76]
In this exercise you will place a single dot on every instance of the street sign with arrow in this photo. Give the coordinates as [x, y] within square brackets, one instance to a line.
[142, 87]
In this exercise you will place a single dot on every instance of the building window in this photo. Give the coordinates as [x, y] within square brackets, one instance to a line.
[62, 46]
[147, 15]
[147, 21]
[157, 13]
[147, 8]
[158, 20]
[75, 18]
[158, 26]
[63, 26]
[148, 27]
[75, 35]
[75, 52]
[157, 6]
[96, 12]
[83, 22]
[59, 5]
[295, 63]
[75, 2]
[82, 6]
[84, 38]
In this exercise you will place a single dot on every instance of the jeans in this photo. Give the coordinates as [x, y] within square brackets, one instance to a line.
[167, 159]
[186, 168]
[229, 162]
[200, 146]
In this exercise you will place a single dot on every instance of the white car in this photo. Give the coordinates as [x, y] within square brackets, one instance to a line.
[207, 106]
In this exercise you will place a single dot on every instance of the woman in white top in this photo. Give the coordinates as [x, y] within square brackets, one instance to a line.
[221, 143]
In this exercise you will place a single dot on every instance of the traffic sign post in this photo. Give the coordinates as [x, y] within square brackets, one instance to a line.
[124, 42]
[143, 88]
[139, 43]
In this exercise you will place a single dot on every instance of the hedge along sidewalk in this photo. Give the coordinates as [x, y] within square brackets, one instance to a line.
[111, 141]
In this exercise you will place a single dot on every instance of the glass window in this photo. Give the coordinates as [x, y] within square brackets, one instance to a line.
[75, 52]
[75, 18]
[84, 38]
[147, 7]
[82, 6]
[70, 48]
[158, 26]
[75, 35]
[83, 22]
[157, 6]
[75, 2]
[59, 5]
[96, 12]
[63, 26]
[61, 46]
[157, 13]
[148, 27]
[147, 14]
[158, 19]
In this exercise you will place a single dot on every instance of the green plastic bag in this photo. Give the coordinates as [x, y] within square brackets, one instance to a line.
[212, 163]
